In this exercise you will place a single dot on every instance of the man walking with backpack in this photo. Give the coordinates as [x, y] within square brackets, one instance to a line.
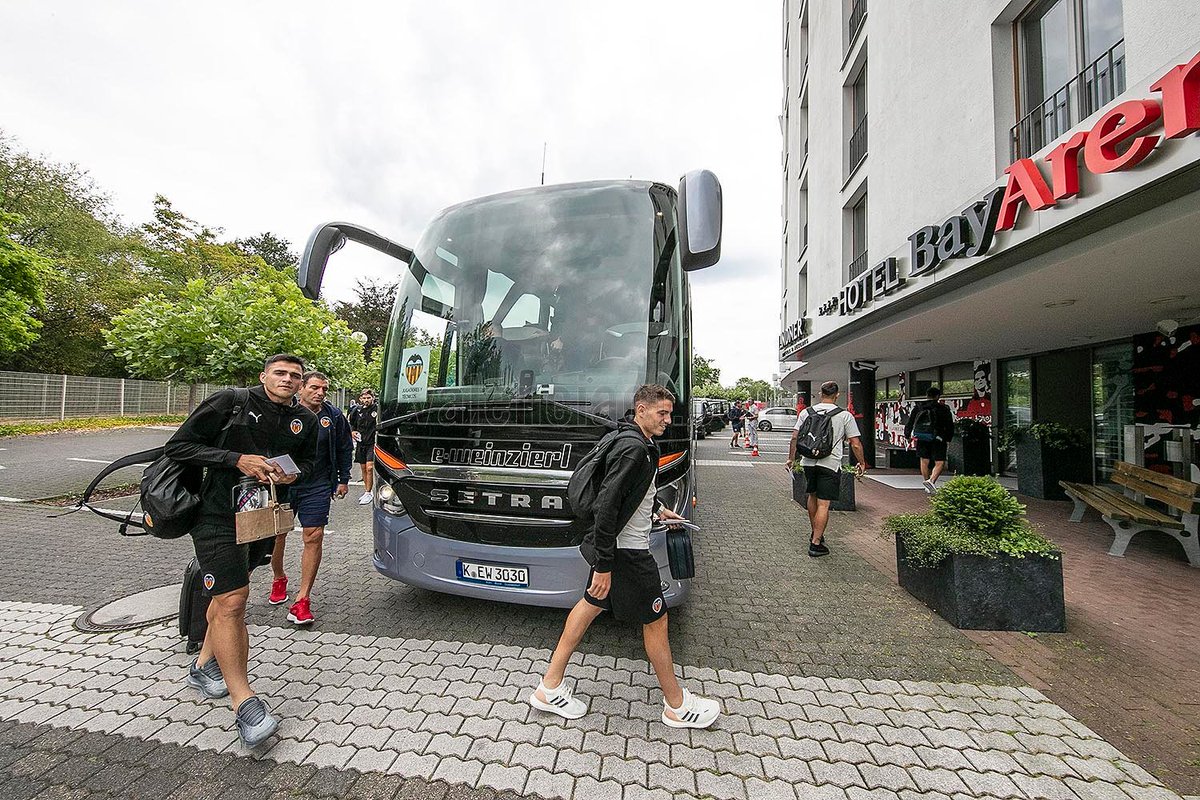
[820, 436]
[234, 449]
[931, 424]
[735, 416]
[312, 494]
[624, 577]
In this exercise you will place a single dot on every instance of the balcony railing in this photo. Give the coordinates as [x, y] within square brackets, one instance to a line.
[858, 15]
[1082, 96]
[858, 144]
[858, 266]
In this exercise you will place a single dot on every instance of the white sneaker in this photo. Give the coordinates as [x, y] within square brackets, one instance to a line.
[694, 712]
[365, 499]
[561, 701]
[929, 487]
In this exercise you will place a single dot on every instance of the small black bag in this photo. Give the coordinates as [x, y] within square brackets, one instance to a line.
[193, 607]
[679, 553]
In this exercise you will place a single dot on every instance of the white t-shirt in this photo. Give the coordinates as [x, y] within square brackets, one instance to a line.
[844, 427]
[636, 533]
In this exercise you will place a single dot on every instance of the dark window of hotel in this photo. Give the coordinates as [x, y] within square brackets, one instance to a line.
[858, 238]
[1016, 398]
[889, 388]
[1112, 404]
[858, 120]
[958, 380]
[1072, 62]
[922, 379]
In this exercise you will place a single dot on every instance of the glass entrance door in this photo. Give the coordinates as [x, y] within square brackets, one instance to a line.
[1016, 397]
[1112, 404]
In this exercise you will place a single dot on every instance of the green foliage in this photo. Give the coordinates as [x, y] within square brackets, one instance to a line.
[87, 424]
[977, 503]
[703, 372]
[370, 313]
[971, 516]
[750, 389]
[1052, 435]
[712, 390]
[272, 249]
[22, 272]
[222, 332]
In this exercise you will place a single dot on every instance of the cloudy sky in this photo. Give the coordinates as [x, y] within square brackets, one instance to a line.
[255, 116]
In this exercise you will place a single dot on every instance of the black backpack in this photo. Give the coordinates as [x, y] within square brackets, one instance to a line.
[585, 481]
[924, 429]
[170, 491]
[814, 439]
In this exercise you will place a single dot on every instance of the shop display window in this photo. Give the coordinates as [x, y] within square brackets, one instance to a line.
[1112, 404]
[958, 380]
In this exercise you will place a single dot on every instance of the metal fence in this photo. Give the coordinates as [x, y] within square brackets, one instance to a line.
[29, 396]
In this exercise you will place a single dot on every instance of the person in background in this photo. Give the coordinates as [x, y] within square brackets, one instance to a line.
[312, 494]
[363, 419]
[931, 424]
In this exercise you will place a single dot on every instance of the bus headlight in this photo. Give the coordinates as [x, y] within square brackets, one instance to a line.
[386, 498]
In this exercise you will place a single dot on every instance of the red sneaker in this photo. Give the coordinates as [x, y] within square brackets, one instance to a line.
[278, 591]
[300, 612]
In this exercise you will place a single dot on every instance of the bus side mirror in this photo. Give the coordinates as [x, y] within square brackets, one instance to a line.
[327, 239]
[699, 219]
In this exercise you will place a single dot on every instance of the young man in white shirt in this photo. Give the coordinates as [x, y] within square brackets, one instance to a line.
[823, 476]
[624, 578]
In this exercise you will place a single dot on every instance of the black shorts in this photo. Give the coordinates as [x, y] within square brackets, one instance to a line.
[225, 565]
[635, 594]
[311, 504]
[364, 451]
[737, 426]
[823, 482]
[932, 450]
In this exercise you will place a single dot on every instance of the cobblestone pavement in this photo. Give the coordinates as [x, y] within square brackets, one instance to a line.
[834, 682]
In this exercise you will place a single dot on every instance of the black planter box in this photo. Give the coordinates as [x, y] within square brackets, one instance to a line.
[845, 501]
[799, 488]
[1039, 469]
[989, 594]
[969, 456]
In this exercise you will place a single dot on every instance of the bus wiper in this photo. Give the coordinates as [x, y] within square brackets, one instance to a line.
[608, 423]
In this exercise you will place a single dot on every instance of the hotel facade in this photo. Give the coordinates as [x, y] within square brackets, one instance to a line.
[1002, 199]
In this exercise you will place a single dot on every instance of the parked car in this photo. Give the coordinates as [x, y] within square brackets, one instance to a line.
[700, 419]
[717, 410]
[780, 417]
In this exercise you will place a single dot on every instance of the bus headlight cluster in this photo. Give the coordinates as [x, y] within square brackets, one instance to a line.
[386, 498]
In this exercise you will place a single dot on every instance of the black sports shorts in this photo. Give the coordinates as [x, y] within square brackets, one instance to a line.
[635, 594]
[933, 450]
[825, 483]
[225, 565]
[364, 451]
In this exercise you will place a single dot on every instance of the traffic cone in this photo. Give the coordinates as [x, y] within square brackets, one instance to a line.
[754, 453]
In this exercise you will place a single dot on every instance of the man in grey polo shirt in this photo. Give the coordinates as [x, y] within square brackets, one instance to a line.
[823, 476]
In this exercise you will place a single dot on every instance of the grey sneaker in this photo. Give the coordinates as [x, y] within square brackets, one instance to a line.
[208, 679]
[254, 721]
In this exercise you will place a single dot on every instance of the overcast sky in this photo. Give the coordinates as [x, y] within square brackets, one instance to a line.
[275, 117]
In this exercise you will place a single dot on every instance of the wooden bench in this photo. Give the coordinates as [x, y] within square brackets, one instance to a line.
[1126, 515]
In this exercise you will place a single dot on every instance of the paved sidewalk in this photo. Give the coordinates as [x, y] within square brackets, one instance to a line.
[453, 712]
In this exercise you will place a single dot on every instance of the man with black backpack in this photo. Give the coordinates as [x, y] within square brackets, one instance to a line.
[931, 424]
[616, 484]
[235, 448]
[820, 436]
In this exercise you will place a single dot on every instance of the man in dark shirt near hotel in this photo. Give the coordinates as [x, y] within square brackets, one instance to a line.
[270, 424]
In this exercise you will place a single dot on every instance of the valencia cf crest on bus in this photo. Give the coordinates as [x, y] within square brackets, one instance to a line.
[413, 369]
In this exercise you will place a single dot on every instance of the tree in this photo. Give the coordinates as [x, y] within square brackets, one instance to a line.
[21, 276]
[175, 249]
[750, 389]
[371, 312]
[274, 250]
[703, 372]
[222, 332]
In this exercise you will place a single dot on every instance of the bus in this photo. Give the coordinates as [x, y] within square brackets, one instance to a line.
[522, 325]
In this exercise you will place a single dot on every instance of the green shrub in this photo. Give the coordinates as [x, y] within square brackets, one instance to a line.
[971, 516]
[978, 504]
[87, 424]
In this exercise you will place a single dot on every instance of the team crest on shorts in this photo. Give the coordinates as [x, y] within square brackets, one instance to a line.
[297, 426]
[657, 605]
[324, 422]
[210, 581]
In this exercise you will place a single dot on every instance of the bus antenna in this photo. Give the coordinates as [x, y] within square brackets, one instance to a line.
[544, 163]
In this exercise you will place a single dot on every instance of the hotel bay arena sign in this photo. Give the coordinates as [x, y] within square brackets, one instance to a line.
[795, 336]
[1119, 140]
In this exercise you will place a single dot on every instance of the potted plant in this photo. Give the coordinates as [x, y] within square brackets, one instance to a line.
[977, 561]
[1047, 453]
[845, 501]
[970, 451]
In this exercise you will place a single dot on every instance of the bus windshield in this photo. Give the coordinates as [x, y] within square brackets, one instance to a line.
[569, 294]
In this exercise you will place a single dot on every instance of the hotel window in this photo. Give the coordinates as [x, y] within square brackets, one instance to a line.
[858, 120]
[958, 380]
[858, 238]
[1072, 62]
[922, 379]
[889, 389]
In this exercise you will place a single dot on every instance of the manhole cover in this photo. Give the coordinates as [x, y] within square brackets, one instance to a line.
[135, 611]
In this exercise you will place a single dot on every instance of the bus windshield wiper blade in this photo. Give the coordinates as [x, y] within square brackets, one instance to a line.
[567, 406]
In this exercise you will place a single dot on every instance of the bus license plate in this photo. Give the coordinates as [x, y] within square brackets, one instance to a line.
[494, 574]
